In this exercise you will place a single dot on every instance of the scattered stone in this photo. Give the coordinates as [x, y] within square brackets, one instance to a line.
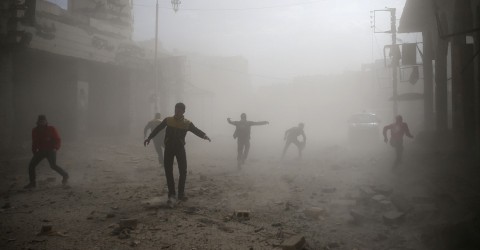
[332, 245]
[329, 190]
[258, 229]
[191, 210]
[358, 217]
[419, 199]
[379, 197]
[402, 203]
[315, 212]
[367, 192]
[382, 189]
[155, 202]
[241, 215]
[224, 228]
[459, 235]
[110, 215]
[6, 205]
[380, 237]
[128, 223]
[46, 229]
[279, 224]
[335, 204]
[393, 217]
[296, 242]
[134, 243]
[50, 179]
[124, 234]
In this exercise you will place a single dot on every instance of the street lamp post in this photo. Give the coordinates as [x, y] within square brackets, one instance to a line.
[175, 5]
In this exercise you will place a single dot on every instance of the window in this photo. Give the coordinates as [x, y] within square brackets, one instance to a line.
[61, 3]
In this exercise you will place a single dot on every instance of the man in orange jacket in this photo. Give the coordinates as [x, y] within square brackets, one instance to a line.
[45, 144]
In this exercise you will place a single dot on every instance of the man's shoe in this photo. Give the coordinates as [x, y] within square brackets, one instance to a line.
[182, 198]
[65, 180]
[171, 202]
[30, 186]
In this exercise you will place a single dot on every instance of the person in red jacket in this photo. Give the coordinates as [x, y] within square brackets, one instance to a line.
[45, 144]
[397, 131]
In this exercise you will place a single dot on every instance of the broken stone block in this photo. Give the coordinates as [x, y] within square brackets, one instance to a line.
[315, 212]
[241, 215]
[379, 197]
[393, 217]
[402, 203]
[154, 202]
[358, 216]
[329, 190]
[128, 223]
[382, 189]
[7, 205]
[46, 229]
[367, 192]
[50, 179]
[296, 242]
[342, 203]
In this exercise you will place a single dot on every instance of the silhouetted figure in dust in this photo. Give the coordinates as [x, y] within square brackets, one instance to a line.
[291, 136]
[397, 131]
[176, 130]
[159, 140]
[45, 144]
[242, 134]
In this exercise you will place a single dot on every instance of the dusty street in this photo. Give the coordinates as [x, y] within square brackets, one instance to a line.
[341, 199]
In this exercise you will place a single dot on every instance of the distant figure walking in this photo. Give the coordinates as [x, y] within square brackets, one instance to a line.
[397, 131]
[291, 136]
[45, 144]
[242, 134]
[176, 130]
[159, 140]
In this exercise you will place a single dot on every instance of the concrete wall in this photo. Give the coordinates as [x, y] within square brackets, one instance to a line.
[43, 84]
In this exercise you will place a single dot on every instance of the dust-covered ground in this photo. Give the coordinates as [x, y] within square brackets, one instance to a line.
[336, 196]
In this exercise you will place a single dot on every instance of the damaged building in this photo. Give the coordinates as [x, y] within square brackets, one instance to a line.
[61, 58]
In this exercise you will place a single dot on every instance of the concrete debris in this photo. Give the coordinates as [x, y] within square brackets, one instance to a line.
[315, 212]
[379, 197]
[358, 216]
[128, 223]
[296, 242]
[50, 179]
[393, 217]
[241, 215]
[366, 192]
[6, 205]
[329, 190]
[401, 203]
[382, 189]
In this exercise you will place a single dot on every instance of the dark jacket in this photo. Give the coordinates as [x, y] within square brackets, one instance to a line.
[243, 128]
[45, 138]
[176, 130]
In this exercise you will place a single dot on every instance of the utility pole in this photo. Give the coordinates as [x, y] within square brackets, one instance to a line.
[156, 60]
[394, 53]
[395, 59]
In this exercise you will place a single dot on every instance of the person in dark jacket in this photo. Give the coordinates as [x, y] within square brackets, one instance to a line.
[176, 130]
[45, 144]
[291, 136]
[158, 141]
[397, 131]
[242, 134]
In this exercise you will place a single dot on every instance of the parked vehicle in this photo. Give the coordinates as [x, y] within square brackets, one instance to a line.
[363, 127]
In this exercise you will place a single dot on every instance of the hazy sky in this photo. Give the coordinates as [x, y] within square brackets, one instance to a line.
[280, 38]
